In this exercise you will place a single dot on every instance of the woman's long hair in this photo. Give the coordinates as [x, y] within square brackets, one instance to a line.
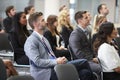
[62, 20]
[99, 21]
[19, 29]
[50, 24]
[105, 30]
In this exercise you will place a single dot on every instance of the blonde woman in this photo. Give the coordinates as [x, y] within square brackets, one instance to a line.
[99, 21]
[64, 26]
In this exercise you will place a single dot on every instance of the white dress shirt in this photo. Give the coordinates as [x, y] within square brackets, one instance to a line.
[109, 57]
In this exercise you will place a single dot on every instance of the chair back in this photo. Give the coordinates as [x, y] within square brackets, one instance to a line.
[101, 68]
[66, 72]
[4, 42]
[25, 77]
[73, 57]
[3, 74]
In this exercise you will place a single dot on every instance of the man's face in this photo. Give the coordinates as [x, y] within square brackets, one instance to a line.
[85, 21]
[89, 16]
[40, 23]
[12, 12]
[104, 10]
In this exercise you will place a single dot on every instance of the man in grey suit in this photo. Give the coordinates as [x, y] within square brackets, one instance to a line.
[41, 56]
[80, 41]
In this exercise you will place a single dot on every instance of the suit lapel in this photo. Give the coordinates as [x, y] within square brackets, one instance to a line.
[82, 33]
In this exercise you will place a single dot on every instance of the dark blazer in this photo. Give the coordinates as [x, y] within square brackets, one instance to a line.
[52, 39]
[65, 33]
[53, 43]
[18, 47]
[80, 44]
[7, 23]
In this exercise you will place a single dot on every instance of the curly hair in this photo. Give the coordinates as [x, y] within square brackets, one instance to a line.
[62, 20]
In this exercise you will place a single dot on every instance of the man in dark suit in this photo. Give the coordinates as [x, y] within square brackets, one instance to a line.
[7, 22]
[80, 42]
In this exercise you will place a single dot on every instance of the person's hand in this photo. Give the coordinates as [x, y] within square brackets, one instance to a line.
[117, 69]
[95, 60]
[61, 60]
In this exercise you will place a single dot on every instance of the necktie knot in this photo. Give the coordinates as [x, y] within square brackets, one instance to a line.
[86, 33]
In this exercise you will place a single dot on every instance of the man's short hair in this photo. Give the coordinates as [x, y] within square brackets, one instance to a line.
[61, 8]
[33, 18]
[8, 9]
[27, 9]
[100, 7]
[79, 15]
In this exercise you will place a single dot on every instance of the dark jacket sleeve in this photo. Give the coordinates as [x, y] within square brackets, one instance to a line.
[65, 33]
[7, 23]
[18, 48]
[49, 37]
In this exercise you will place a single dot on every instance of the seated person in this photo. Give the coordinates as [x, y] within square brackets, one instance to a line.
[55, 39]
[18, 37]
[108, 52]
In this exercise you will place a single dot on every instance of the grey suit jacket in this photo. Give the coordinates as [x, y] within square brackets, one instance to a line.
[36, 52]
[80, 44]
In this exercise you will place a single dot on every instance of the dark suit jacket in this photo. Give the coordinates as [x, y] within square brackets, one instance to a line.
[7, 23]
[66, 34]
[53, 42]
[18, 47]
[80, 45]
[52, 39]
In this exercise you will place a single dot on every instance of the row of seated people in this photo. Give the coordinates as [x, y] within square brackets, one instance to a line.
[79, 41]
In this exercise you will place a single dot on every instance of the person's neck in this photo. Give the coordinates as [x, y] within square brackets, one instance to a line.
[103, 14]
[109, 39]
[39, 31]
[84, 27]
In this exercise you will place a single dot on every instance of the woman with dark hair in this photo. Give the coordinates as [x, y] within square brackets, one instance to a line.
[54, 38]
[28, 11]
[108, 51]
[18, 37]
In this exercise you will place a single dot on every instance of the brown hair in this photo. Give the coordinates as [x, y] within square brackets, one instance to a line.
[8, 9]
[61, 8]
[50, 23]
[33, 18]
[104, 31]
[79, 15]
[26, 10]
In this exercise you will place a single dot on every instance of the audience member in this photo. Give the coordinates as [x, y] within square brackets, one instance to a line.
[102, 11]
[64, 26]
[80, 41]
[18, 37]
[54, 38]
[42, 58]
[7, 22]
[29, 10]
[108, 52]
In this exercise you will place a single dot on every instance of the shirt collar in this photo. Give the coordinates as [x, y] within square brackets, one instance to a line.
[41, 36]
[81, 28]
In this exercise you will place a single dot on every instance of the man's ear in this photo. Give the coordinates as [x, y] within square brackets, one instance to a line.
[34, 24]
[79, 20]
